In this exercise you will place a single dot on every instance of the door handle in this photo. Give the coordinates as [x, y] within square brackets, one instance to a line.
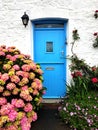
[62, 53]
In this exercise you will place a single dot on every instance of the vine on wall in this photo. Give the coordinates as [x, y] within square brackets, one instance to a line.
[95, 44]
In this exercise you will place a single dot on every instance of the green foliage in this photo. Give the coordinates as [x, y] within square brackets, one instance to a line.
[75, 35]
[80, 109]
[81, 113]
[84, 76]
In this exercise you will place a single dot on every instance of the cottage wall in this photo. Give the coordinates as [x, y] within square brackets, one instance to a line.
[78, 12]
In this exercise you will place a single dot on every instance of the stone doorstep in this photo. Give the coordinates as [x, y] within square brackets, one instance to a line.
[45, 100]
[51, 103]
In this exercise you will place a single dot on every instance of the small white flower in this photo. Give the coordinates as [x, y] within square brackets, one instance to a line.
[94, 107]
[64, 108]
[71, 113]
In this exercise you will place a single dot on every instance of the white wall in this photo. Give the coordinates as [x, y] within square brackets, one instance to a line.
[79, 12]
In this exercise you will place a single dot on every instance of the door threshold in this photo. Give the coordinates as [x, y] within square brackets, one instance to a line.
[51, 100]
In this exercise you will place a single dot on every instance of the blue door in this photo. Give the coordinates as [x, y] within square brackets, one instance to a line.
[50, 51]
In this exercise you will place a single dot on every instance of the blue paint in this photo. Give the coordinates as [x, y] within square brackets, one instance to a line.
[53, 62]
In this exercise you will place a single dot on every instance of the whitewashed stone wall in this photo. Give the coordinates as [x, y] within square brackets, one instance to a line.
[78, 12]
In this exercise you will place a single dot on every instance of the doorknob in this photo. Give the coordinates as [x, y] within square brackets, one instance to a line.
[62, 53]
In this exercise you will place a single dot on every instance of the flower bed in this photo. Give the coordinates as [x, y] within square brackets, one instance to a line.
[80, 113]
[79, 109]
[21, 89]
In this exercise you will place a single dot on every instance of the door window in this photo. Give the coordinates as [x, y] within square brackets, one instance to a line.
[49, 46]
[51, 25]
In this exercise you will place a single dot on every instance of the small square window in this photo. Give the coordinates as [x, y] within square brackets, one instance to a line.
[49, 46]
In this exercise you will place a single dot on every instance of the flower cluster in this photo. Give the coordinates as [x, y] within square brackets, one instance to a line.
[21, 89]
[94, 80]
[76, 74]
[95, 44]
[82, 114]
[96, 14]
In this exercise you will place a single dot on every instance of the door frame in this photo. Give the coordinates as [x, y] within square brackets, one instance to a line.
[51, 20]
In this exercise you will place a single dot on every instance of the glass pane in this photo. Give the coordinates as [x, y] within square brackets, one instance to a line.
[49, 46]
[51, 25]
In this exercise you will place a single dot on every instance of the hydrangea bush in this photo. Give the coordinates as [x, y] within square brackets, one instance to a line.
[21, 89]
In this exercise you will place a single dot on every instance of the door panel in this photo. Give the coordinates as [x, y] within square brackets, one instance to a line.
[49, 51]
[54, 79]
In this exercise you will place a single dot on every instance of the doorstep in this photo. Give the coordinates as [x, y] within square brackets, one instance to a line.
[48, 100]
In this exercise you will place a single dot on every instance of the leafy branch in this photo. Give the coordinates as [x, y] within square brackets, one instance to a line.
[75, 37]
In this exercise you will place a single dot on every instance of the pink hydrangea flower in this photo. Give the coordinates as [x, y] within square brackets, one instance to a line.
[39, 71]
[6, 66]
[16, 56]
[37, 84]
[33, 66]
[28, 107]
[23, 82]
[25, 87]
[29, 98]
[5, 109]
[31, 75]
[34, 117]
[25, 74]
[19, 73]
[15, 91]
[8, 56]
[5, 77]
[1, 89]
[25, 125]
[13, 102]
[3, 101]
[6, 93]
[26, 67]
[10, 86]
[18, 103]
[13, 58]
[15, 78]
[34, 85]
[2, 53]
[25, 95]
[12, 115]
[12, 127]
[37, 81]
[16, 67]
[35, 92]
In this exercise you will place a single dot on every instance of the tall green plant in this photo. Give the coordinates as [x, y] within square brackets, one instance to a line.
[80, 109]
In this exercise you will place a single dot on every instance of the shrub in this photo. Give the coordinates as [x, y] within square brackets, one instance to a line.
[21, 89]
[80, 109]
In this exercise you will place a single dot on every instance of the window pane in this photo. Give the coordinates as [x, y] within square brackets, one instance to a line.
[49, 46]
[60, 25]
